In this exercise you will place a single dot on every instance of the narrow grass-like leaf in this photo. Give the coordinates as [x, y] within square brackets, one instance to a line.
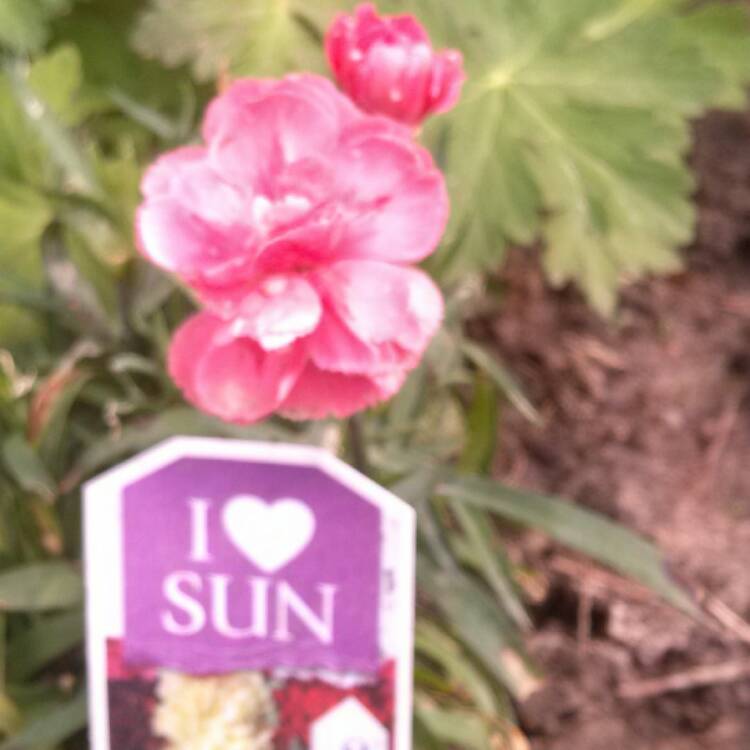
[488, 560]
[36, 587]
[507, 384]
[454, 726]
[481, 427]
[603, 540]
[462, 675]
[46, 640]
[52, 727]
[24, 465]
[481, 625]
[180, 420]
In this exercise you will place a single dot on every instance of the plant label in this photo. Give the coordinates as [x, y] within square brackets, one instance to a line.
[250, 596]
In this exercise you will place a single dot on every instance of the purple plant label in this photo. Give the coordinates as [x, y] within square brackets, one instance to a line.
[207, 558]
[235, 565]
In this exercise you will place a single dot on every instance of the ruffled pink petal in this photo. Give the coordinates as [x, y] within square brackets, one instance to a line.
[318, 394]
[334, 347]
[178, 240]
[279, 311]
[191, 339]
[379, 317]
[164, 174]
[299, 118]
[398, 207]
[227, 108]
[235, 380]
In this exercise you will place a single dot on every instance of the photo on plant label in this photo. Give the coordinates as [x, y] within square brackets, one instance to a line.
[152, 708]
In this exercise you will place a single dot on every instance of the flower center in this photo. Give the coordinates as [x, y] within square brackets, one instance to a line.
[268, 214]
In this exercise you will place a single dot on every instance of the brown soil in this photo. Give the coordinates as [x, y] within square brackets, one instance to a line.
[648, 421]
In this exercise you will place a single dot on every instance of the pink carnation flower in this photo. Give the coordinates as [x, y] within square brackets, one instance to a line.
[295, 224]
[387, 65]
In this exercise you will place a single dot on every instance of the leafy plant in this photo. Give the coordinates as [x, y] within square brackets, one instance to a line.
[574, 128]
[258, 37]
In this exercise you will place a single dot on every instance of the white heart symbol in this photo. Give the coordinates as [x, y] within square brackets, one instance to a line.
[269, 535]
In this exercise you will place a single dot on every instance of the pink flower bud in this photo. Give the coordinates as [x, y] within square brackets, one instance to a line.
[387, 65]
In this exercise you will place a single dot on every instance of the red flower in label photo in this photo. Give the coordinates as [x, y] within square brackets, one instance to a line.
[302, 702]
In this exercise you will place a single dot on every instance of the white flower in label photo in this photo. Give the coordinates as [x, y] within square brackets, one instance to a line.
[226, 712]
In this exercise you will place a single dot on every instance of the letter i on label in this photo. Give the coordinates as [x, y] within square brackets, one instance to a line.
[253, 573]
[199, 510]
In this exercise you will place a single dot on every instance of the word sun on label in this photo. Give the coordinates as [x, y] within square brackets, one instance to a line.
[274, 578]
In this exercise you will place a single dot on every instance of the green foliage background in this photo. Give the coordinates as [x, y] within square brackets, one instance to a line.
[572, 133]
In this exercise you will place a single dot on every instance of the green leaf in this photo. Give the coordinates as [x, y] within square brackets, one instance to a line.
[480, 624]
[22, 158]
[574, 128]
[10, 716]
[453, 726]
[463, 675]
[241, 36]
[58, 141]
[721, 32]
[603, 540]
[507, 384]
[24, 214]
[24, 23]
[481, 427]
[24, 465]
[47, 639]
[52, 727]
[490, 562]
[40, 586]
[57, 79]
[147, 432]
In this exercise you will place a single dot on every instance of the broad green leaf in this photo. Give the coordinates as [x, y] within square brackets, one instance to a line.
[24, 214]
[587, 532]
[721, 32]
[57, 140]
[40, 586]
[57, 79]
[574, 128]
[52, 727]
[22, 157]
[47, 639]
[24, 23]
[241, 36]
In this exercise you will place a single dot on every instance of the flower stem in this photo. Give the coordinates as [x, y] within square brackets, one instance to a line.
[357, 447]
